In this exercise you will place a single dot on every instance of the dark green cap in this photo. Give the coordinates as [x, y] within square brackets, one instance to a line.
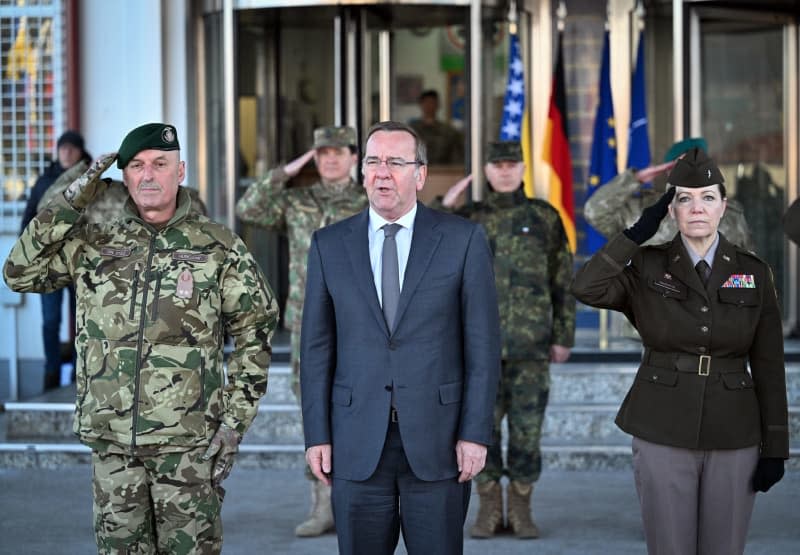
[334, 136]
[504, 150]
[155, 136]
[683, 146]
[695, 170]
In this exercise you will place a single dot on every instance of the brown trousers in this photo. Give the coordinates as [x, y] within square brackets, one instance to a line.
[694, 502]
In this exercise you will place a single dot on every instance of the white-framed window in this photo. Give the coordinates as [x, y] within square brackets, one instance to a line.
[32, 97]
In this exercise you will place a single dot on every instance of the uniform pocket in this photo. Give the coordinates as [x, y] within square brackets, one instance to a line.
[738, 297]
[737, 381]
[171, 393]
[658, 376]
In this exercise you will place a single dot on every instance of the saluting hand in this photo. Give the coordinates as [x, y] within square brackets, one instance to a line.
[449, 200]
[471, 458]
[294, 167]
[647, 224]
[88, 185]
[647, 174]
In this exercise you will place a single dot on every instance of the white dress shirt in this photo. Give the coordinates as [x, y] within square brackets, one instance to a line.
[402, 238]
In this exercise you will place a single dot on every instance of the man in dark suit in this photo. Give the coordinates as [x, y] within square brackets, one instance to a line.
[400, 359]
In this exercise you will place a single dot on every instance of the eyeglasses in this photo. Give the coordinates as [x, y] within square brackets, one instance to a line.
[372, 163]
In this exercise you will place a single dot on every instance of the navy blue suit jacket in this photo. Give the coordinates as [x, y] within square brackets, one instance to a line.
[442, 360]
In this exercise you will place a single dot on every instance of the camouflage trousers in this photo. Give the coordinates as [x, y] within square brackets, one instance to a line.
[522, 399]
[155, 504]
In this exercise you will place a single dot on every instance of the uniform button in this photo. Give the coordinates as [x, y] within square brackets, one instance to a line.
[743, 383]
[701, 349]
[655, 378]
[387, 387]
[703, 309]
[704, 329]
[392, 345]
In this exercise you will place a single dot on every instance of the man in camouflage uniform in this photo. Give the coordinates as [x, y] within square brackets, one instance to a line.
[156, 292]
[618, 204]
[299, 212]
[533, 270]
[444, 142]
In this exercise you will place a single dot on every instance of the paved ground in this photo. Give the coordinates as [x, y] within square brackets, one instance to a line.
[49, 512]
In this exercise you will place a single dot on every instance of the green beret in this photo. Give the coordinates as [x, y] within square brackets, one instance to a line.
[504, 150]
[334, 136]
[682, 146]
[695, 170]
[155, 136]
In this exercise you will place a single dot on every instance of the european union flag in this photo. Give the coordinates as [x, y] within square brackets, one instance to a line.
[514, 101]
[638, 141]
[603, 164]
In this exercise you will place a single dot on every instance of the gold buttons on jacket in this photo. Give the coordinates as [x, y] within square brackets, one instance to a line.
[704, 329]
[703, 309]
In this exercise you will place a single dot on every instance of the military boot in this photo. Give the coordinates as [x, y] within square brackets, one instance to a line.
[519, 510]
[320, 519]
[490, 510]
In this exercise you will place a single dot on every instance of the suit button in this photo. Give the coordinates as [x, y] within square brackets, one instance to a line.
[387, 387]
[655, 378]
[701, 349]
[703, 309]
[392, 345]
[704, 329]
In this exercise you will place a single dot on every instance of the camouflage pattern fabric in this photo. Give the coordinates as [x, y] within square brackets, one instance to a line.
[298, 212]
[109, 205]
[618, 204]
[533, 271]
[521, 397]
[444, 143]
[155, 504]
[149, 353]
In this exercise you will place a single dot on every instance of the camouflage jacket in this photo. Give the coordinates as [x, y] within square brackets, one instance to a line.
[149, 357]
[533, 271]
[298, 212]
[108, 205]
[619, 203]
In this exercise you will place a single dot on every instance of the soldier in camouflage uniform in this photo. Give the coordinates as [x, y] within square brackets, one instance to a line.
[299, 212]
[157, 290]
[533, 270]
[444, 143]
[618, 204]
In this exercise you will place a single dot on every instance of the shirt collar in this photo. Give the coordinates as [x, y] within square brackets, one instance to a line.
[709, 257]
[376, 221]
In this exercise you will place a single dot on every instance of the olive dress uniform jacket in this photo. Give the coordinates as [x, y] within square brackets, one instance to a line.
[693, 389]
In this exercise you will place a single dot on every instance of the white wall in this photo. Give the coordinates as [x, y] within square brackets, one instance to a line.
[133, 69]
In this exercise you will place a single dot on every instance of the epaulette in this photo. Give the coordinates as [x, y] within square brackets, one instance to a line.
[752, 254]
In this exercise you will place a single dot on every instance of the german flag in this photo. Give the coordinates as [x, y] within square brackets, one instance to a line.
[556, 151]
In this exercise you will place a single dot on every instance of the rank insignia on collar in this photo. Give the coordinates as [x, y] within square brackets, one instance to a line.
[667, 276]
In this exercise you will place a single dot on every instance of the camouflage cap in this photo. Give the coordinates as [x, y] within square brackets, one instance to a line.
[683, 146]
[334, 136]
[156, 136]
[695, 170]
[504, 150]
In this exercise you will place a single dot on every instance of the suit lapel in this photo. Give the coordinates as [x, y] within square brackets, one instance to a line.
[680, 266]
[423, 245]
[357, 248]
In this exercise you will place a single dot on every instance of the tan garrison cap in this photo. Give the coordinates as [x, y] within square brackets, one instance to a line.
[504, 150]
[334, 136]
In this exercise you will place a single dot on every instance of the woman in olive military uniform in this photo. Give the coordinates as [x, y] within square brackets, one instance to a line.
[708, 433]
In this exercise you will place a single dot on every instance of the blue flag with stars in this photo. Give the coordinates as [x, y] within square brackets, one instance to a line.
[514, 101]
[638, 141]
[603, 165]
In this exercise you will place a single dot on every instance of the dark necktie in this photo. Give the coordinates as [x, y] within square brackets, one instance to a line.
[390, 274]
[704, 271]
